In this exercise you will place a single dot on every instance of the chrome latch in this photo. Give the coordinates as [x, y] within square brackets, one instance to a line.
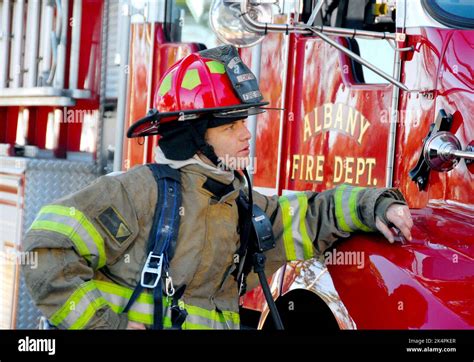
[443, 152]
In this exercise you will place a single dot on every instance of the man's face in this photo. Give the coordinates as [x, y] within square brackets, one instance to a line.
[231, 143]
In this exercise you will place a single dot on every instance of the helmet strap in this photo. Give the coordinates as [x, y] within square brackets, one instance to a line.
[206, 149]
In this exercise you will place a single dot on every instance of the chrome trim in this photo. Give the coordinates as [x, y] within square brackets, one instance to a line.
[44, 92]
[59, 76]
[253, 25]
[100, 159]
[314, 277]
[321, 31]
[75, 44]
[40, 101]
[18, 31]
[32, 42]
[45, 44]
[443, 151]
[282, 112]
[252, 120]
[314, 13]
[394, 117]
[5, 43]
[149, 89]
[125, 21]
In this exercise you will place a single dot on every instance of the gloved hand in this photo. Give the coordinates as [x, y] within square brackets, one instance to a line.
[400, 217]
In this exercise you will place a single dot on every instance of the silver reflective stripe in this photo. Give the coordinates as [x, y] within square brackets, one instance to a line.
[295, 226]
[346, 211]
[347, 208]
[94, 253]
[118, 296]
[199, 322]
[80, 307]
[121, 302]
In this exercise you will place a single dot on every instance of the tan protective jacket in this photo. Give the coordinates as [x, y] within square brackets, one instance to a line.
[92, 244]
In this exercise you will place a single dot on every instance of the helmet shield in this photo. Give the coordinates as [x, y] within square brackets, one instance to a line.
[241, 77]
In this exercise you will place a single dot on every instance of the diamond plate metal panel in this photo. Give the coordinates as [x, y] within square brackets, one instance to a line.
[46, 181]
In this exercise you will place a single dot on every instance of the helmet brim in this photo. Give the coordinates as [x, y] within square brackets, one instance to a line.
[150, 124]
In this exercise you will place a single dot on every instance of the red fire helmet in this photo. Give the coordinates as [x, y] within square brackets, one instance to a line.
[214, 84]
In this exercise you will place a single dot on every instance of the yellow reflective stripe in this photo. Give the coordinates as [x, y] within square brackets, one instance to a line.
[340, 210]
[93, 307]
[287, 232]
[222, 318]
[353, 209]
[165, 85]
[213, 314]
[106, 287]
[234, 317]
[167, 322]
[307, 244]
[191, 79]
[84, 222]
[67, 231]
[193, 326]
[126, 294]
[74, 299]
[216, 67]
[132, 315]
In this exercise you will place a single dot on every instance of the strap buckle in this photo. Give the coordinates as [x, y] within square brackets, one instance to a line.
[148, 270]
[169, 287]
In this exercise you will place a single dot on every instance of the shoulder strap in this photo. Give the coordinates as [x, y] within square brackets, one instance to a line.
[162, 239]
[168, 203]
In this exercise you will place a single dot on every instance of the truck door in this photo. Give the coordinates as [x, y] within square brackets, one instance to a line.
[337, 111]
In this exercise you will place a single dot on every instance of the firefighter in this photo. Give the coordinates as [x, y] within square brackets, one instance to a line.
[97, 262]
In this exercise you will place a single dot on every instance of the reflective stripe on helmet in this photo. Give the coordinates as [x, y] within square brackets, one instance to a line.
[165, 85]
[191, 79]
[215, 67]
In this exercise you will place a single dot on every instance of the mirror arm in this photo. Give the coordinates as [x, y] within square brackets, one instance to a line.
[304, 29]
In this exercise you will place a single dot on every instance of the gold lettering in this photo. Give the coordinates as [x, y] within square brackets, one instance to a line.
[327, 115]
[351, 121]
[337, 169]
[309, 168]
[317, 126]
[307, 128]
[359, 169]
[349, 162]
[319, 169]
[295, 165]
[338, 122]
[302, 166]
[365, 124]
[371, 164]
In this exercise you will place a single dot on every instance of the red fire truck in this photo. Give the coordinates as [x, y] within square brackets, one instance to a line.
[363, 92]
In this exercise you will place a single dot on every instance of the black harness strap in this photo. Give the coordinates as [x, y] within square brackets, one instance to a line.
[162, 239]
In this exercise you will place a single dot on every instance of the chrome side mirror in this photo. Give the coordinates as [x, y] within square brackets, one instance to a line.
[225, 18]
